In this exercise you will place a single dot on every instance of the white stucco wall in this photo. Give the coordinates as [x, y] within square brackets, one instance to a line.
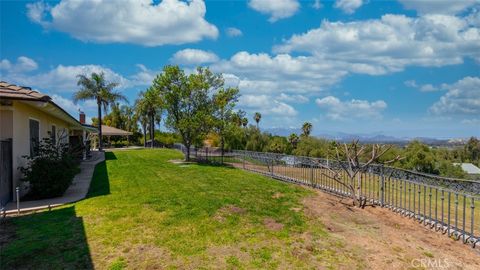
[21, 114]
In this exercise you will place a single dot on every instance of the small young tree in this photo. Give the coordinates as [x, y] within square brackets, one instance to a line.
[349, 161]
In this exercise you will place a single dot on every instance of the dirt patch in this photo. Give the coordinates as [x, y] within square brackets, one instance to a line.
[228, 210]
[277, 195]
[222, 253]
[272, 225]
[388, 240]
[180, 162]
[148, 257]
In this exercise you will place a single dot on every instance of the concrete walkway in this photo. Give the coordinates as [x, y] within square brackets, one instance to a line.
[77, 190]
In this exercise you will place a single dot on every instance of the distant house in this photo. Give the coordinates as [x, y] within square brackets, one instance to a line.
[469, 168]
[26, 117]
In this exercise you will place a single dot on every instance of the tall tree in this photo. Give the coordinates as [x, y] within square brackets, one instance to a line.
[96, 87]
[257, 117]
[224, 102]
[306, 129]
[150, 103]
[188, 102]
[244, 122]
[293, 139]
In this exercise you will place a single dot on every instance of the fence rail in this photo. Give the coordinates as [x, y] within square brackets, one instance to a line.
[450, 206]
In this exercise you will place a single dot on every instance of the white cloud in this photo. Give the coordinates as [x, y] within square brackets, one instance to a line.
[344, 110]
[128, 21]
[23, 64]
[66, 104]
[462, 98]
[193, 57]
[428, 88]
[411, 83]
[438, 6]
[234, 32]
[277, 9]
[424, 87]
[293, 98]
[317, 5]
[63, 78]
[265, 74]
[390, 44]
[348, 6]
[89, 107]
[266, 105]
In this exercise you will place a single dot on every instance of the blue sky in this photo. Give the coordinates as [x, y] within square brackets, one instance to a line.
[401, 68]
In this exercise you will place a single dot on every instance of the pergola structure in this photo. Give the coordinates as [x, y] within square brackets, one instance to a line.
[108, 131]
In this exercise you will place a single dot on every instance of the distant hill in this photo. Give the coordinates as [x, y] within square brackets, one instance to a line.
[370, 138]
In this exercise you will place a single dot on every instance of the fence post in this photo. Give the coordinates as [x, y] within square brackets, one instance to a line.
[206, 154]
[244, 157]
[272, 166]
[17, 193]
[382, 188]
[311, 175]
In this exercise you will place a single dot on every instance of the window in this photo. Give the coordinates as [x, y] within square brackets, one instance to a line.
[53, 135]
[34, 136]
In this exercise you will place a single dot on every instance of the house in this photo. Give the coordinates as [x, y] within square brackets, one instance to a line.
[469, 168]
[26, 117]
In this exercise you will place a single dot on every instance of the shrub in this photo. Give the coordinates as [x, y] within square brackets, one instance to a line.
[50, 172]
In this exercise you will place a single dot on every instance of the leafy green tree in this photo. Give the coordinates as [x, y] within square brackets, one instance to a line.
[224, 101]
[188, 102]
[313, 147]
[446, 168]
[257, 117]
[97, 88]
[244, 122]
[306, 129]
[419, 157]
[472, 150]
[278, 144]
[256, 141]
[293, 140]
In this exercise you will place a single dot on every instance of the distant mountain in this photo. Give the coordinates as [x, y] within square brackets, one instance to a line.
[366, 138]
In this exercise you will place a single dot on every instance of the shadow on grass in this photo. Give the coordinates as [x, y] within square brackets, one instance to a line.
[110, 156]
[216, 164]
[51, 240]
[100, 184]
[46, 240]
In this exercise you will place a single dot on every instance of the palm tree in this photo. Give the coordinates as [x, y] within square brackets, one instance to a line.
[293, 139]
[96, 87]
[306, 128]
[149, 104]
[244, 122]
[257, 117]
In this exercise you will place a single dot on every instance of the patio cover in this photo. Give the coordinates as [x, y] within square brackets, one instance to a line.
[111, 131]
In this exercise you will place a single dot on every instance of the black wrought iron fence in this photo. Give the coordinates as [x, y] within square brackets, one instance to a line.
[451, 206]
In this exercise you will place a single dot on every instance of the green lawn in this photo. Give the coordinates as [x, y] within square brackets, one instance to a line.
[143, 211]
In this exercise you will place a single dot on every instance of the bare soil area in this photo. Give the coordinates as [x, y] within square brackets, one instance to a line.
[388, 240]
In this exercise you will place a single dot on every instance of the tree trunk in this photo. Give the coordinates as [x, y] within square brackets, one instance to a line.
[222, 145]
[152, 129]
[100, 145]
[144, 135]
[187, 156]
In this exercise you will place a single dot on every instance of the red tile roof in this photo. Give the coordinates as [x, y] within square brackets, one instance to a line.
[12, 91]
